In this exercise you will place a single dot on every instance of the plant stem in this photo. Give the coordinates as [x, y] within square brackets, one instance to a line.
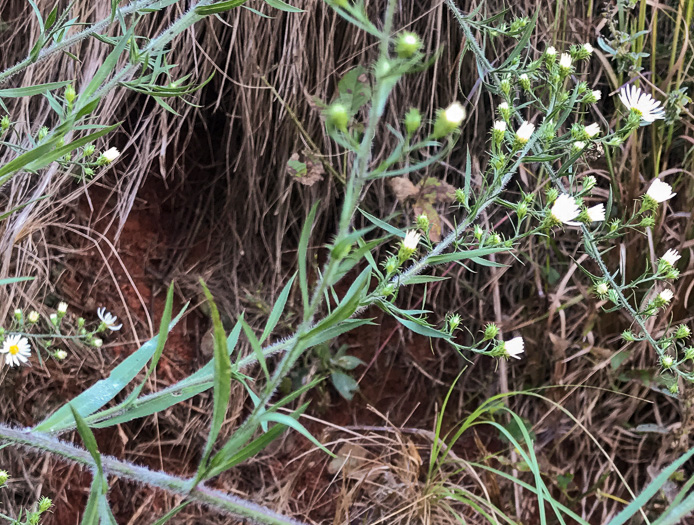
[225, 503]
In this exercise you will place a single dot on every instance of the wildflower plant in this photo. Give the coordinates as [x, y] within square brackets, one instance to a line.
[541, 124]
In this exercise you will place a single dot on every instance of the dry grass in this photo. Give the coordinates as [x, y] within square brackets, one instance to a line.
[208, 195]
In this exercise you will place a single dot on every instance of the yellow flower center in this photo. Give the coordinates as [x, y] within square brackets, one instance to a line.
[14, 349]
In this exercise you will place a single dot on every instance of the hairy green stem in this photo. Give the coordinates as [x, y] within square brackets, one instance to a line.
[202, 495]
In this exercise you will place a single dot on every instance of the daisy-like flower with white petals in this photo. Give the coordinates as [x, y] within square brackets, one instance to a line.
[565, 210]
[671, 257]
[596, 213]
[551, 51]
[597, 94]
[588, 48]
[108, 319]
[565, 61]
[111, 154]
[455, 114]
[411, 240]
[641, 103]
[514, 347]
[665, 296]
[500, 125]
[16, 349]
[524, 133]
[660, 191]
[593, 130]
[62, 308]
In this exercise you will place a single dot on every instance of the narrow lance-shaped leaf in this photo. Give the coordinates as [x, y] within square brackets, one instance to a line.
[302, 254]
[277, 310]
[222, 383]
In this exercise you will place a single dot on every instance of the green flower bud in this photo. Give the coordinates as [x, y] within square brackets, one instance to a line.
[689, 353]
[490, 332]
[628, 336]
[42, 134]
[453, 322]
[504, 111]
[478, 232]
[521, 209]
[337, 116]
[498, 161]
[388, 290]
[423, 222]
[413, 119]
[524, 81]
[495, 239]
[673, 388]
[589, 183]
[45, 504]
[5, 123]
[460, 196]
[4, 476]
[552, 195]
[391, 265]
[602, 289]
[18, 315]
[505, 86]
[89, 150]
[667, 361]
[70, 94]
[682, 332]
[407, 45]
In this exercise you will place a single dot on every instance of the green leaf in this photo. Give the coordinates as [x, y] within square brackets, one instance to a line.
[469, 254]
[383, 225]
[421, 329]
[277, 310]
[218, 7]
[354, 93]
[222, 383]
[651, 490]
[257, 348]
[12, 280]
[344, 384]
[283, 6]
[178, 508]
[302, 255]
[161, 341]
[104, 390]
[289, 421]
[29, 91]
[108, 65]
[87, 437]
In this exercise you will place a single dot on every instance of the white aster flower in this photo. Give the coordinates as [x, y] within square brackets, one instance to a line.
[62, 308]
[60, 355]
[111, 154]
[593, 130]
[565, 61]
[660, 191]
[500, 126]
[454, 114]
[525, 131]
[565, 210]
[551, 51]
[597, 94]
[642, 103]
[33, 316]
[666, 295]
[97, 342]
[602, 289]
[579, 145]
[588, 48]
[411, 240]
[108, 319]
[514, 348]
[596, 213]
[16, 349]
[671, 257]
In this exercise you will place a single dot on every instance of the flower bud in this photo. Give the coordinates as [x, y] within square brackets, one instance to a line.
[628, 336]
[54, 319]
[460, 196]
[498, 132]
[505, 86]
[453, 322]
[524, 81]
[89, 150]
[589, 182]
[490, 332]
[423, 222]
[18, 315]
[5, 123]
[4, 476]
[689, 353]
[448, 120]
[33, 317]
[521, 209]
[602, 289]
[478, 232]
[673, 388]
[504, 111]
[413, 119]
[70, 94]
[667, 361]
[407, 45]
[60, 355]
[42, 134]
[337, 116]
[391, 265]
[552, 195]
[682, 332]
[45, 504]
[97, 342]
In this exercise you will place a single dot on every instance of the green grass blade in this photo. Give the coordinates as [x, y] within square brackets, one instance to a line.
[104, 390]
[302, 254]
[277, 310]
[29, 91]
[221, 386]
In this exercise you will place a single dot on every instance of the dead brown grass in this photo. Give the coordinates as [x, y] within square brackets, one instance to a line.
[208, 195]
